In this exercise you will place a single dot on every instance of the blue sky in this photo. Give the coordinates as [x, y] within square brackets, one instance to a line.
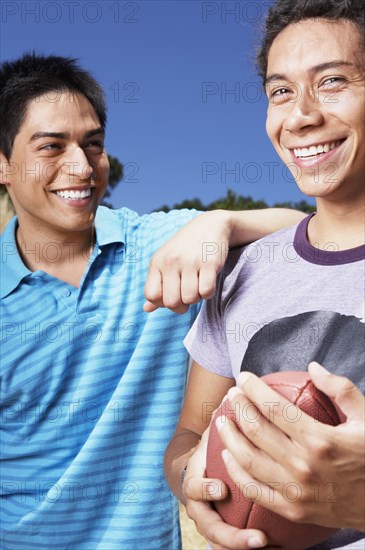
[186, 113]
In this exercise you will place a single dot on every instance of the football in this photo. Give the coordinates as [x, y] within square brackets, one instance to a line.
[243, 513]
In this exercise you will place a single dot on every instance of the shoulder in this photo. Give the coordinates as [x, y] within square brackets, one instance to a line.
[258, 253]
[171, 221]
[248, 263]
[147, 232]
[130, 218]
[156, 227]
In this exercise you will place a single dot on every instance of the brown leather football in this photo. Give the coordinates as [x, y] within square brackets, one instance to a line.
[243, 513]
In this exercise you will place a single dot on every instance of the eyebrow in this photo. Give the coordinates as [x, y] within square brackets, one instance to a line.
[314, 70]
[65, 135]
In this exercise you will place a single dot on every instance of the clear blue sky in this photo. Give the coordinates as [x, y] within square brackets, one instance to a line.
[167, 67]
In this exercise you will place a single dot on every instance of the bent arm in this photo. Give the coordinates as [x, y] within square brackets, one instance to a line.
[185, 269]
[251, 225]
[188, 448]
[204, 393]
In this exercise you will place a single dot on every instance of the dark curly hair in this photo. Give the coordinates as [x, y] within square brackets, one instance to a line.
[34, 75]
[285, 12]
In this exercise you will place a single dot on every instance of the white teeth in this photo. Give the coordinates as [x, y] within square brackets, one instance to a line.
[74, 195]
[314, 150]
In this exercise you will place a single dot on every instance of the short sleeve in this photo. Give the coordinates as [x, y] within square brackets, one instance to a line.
[206, 341]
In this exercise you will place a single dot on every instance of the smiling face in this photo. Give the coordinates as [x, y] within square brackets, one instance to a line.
[315, 120]
[58, 170]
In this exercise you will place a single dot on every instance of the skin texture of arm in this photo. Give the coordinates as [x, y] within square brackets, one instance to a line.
[184, 270]
[188, 446]
[327, 463]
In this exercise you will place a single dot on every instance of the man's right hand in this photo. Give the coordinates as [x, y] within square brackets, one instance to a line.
[198, 492]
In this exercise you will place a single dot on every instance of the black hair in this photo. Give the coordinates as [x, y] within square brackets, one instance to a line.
[286, 12]
[34, 75]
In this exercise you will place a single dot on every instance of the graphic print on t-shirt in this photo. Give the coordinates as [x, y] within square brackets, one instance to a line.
[289, 344]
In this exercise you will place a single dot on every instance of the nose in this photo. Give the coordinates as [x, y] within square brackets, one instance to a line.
[77, 165]
[305, 112]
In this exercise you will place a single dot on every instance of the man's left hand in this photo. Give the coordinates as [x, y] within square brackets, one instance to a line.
[305, 471]
[185, 269]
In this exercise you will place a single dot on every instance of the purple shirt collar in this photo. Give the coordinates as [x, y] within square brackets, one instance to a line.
[323, 257]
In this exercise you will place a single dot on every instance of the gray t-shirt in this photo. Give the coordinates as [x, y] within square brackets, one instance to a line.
[281, 303]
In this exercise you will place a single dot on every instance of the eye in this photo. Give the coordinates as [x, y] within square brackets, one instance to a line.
[333, 82]
[279, 94]
[96, 145]
[50, 147]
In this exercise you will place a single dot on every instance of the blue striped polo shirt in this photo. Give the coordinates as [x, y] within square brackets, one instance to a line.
[91, 388]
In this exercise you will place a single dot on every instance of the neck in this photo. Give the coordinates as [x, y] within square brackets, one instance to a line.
[343, 225]
[51, 253]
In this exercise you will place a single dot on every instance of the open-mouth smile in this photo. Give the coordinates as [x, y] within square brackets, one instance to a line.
[314, 154]
[74, 194]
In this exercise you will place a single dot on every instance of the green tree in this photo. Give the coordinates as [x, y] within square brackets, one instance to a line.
[232, 201]
[188, 203]
[302, 205]
[115, 176]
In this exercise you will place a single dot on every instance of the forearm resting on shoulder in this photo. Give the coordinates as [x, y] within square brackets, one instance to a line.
[251, 225]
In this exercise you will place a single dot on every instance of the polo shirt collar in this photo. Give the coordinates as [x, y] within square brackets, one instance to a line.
[12, 268]
[109, 226]
[109, 229]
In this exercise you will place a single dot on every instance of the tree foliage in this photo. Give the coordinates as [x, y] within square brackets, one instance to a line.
[232, 201]
[115, 176]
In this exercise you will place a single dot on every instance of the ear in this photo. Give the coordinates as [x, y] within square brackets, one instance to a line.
[6, 170]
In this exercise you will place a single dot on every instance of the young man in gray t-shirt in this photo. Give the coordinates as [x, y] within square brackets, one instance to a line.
[292, 299]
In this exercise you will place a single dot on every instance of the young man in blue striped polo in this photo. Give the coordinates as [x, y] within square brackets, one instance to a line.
[91, 384]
